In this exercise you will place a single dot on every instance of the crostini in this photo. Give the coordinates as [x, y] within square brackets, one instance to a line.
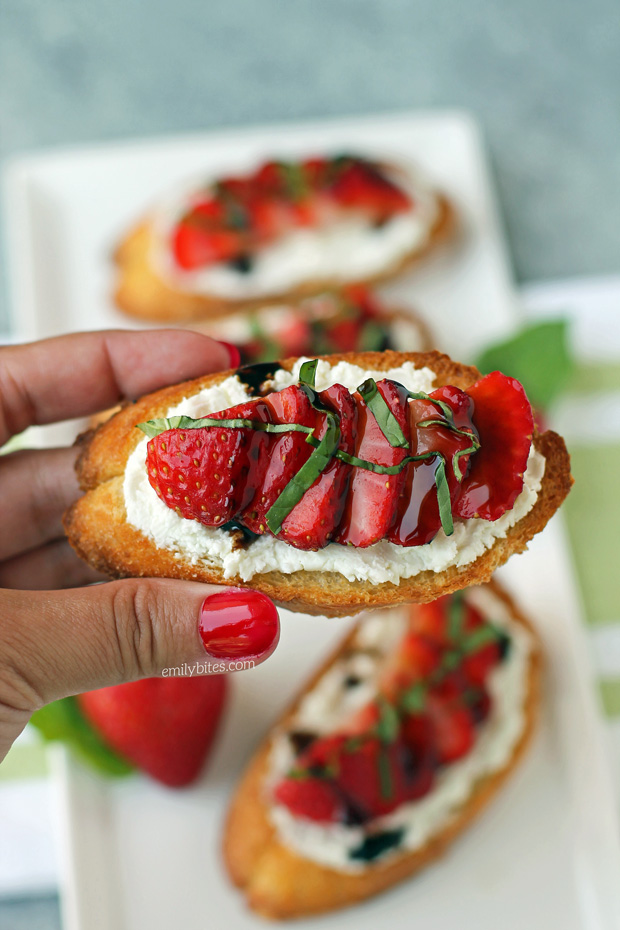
[392, 749]
[280, 232]
[350, 319]
[331, 485]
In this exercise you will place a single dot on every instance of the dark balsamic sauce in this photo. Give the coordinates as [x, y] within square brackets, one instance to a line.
[376, 844]
[300, 740]
[254, 376]
[242, 263]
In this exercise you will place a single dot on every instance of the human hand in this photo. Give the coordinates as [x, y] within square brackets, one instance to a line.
[54, 643]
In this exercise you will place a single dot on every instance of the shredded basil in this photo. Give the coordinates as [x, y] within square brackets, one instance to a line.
[414, 698]
[388, 724]
[456, 616]
[385, 775]
[155, 427]
[386, 421]
[306, 476]
[456, 467]
[480, 637]
[307, 372]
[443, 497]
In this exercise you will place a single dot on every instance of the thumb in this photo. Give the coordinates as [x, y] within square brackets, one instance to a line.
[56, 643]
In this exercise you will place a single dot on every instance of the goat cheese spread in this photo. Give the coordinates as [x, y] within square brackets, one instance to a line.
[329, 703]
[381, 562]
[347, 250]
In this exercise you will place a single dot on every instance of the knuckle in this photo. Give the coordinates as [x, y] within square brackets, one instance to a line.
[136, 609]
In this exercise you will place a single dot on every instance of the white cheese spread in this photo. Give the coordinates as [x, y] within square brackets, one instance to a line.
[384, 561]
[330, 703]
[350, 249]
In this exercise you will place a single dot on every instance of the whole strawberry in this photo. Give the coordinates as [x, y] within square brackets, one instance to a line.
[164, 726]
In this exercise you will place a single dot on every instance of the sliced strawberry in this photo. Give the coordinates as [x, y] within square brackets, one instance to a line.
[429, 620]
[415, 660]
[209, 474]
[310, 797]
[378, 777]
[454, 729]
[372, 498]
[193, 247]
[363, 720]
[311, 524]
[287, 454]
[344, 334]
[362, 185]
[417, 520]
[504, 421]
[164, 726]
[295, 337]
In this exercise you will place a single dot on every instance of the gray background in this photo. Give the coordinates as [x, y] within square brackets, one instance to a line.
[542, 77]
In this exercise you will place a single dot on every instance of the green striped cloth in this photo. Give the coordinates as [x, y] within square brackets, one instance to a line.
[588, 416]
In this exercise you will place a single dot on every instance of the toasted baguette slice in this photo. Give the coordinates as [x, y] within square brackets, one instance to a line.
[280, 883]
[98, 529]
[403, 327]
[142, 292]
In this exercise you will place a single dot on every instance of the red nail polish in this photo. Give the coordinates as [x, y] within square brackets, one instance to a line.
[233, 352]
[238, 623]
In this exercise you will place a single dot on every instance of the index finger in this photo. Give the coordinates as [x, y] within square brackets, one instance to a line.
[76, 375]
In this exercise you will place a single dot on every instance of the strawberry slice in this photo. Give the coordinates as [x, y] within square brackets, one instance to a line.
[164, 726]
[417, 519]
[310, 797]
[311, 523]
[193, 246]
[362, 185]
[503, 418]
[209, 474]
[286, 456]
[344, 334]
[372, 497]
[453, 726]
[378, 777]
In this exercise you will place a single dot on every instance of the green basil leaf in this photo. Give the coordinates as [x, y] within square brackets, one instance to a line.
[443, 497]
[307, 372]
[63, 721]
[456, 466]
[386, 784]
[456, 616]
[538, 355]
[445, 408]
[414, 698]
[480, 637]
[386, 421]
[373, 337]
[382, 469]
[306, 476]
[388, 725]
[155, 427]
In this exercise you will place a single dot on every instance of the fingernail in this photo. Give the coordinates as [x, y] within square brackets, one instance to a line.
[238, 623]
[233, 352]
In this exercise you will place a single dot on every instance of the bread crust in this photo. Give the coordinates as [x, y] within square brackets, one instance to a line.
[140, 292]
[280, 884]
[99, 532]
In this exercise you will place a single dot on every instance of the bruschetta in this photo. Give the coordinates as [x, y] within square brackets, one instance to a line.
[282, 231]
[332, 484]
[388, 754]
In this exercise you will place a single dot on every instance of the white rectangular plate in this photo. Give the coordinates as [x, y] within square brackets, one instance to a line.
[546, 853]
